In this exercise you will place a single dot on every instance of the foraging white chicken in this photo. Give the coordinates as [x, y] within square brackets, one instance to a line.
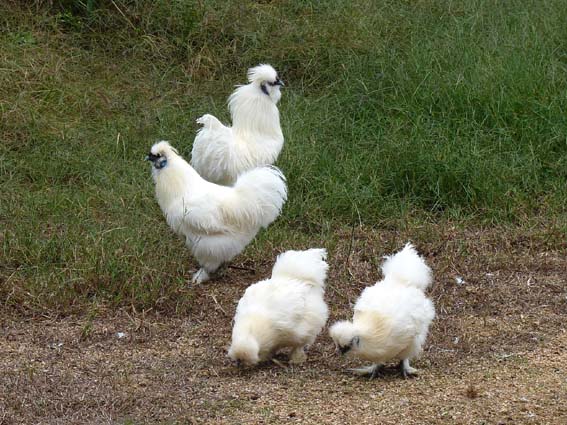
[220, 153]
[391, 319]
[287, 310]
[216, 221]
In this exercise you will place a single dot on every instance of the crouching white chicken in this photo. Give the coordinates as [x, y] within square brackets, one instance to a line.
[287, 310]
[216, 221]
[392, 318]
[220, 154]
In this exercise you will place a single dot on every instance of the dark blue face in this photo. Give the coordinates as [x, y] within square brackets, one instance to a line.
[158, 161]
[277, 82]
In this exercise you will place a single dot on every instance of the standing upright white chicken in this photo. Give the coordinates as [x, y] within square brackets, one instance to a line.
[220, 153]
[392, 318]
[216, 221]
[287, 310]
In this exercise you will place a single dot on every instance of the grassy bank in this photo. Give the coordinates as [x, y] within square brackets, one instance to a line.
[395, 114]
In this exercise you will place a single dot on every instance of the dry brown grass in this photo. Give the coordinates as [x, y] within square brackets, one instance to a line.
[496, 353]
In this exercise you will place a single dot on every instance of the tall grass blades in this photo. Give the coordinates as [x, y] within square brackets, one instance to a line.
[434, 110]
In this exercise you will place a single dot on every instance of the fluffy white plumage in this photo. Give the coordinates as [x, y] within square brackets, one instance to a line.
[287, 310]
[391, 319]
[216, 221]
[220, 153]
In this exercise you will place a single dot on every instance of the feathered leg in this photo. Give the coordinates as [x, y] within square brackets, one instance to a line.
[406, 370]
[298, 355]
[200, 276]
[206, 272]
[373, 371]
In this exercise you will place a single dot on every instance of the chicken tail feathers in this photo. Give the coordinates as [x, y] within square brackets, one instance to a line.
[308, 266]
[259, 195]
[209, 122]
[408, 268]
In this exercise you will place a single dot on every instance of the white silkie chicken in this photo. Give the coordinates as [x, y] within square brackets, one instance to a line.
[392, 318]
[287, 310]
[216, 221]
[220, 153]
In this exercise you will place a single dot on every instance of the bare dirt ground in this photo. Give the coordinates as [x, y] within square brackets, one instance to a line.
[496, 352]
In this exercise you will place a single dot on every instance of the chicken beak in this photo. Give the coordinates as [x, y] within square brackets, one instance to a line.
[280, 82]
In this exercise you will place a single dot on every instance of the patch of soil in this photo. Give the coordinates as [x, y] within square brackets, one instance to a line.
[496, 352]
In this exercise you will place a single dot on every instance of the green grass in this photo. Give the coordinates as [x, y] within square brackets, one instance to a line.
[394, 112]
